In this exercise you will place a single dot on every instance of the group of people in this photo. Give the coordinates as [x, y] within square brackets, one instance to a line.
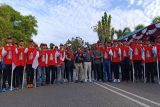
[114, 61]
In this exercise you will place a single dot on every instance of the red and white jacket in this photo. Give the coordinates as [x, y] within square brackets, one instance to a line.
[148, 54]
[42, 58]
[7, 53]
[136, 52]
[31, 54]
[52, 55]
[116, 57]
[107, 53]
[61, 58]
[21, 56]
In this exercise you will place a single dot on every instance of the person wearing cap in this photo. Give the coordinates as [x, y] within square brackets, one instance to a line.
[87, 58]
[116, 58]
[21, 62]
[136, 59]
[42, 60]
[107, 53]
[52, 54]
[31, 55]
[69, 63]
[97, 55]
[125, 50]
[148, 57]
[78, 64]
[7, 53]
[61, 65]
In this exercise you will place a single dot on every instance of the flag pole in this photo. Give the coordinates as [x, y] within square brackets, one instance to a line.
[35, 84]
[23, 78]
[133, 72]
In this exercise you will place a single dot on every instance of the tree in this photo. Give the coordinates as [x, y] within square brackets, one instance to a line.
[123, 32]
[139, 26]
[156, 19]
[77, 41]
[103, 28]
[14, 24]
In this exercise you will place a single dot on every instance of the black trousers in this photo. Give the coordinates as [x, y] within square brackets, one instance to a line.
[149, 67]
[30, 73]
[138, 70]
[51, 71]
[7, 75]
[19, 76]
[99, 71]
[115, 67]
[125, 69]
[69, 70]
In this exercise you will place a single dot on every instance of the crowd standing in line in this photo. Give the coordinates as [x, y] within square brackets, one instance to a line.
[116, 61]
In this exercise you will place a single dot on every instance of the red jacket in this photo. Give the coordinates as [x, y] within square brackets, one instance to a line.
[69, 54]
[42, 58]
[158, 51]
[60, 60]
[125, 52]
[21, 57]
[149, 57]
[116, 56]
[31, 55]
[106, 53]
[52, 58]
[10, 49]
[137, 53]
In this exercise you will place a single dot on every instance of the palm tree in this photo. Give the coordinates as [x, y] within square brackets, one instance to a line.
[123, 32]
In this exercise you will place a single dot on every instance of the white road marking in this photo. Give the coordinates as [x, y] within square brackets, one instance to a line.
[125, 96]
[153, 102]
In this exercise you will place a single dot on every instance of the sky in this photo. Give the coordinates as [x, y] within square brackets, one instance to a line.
[60, 20]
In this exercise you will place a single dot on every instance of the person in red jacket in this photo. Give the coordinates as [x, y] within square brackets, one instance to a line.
[148, 57]
[107, 53]
[116, 61]
[60, 65]
[137, 59]
[52, 54]
[7, 54]
[31, 54]
[21, 62]
[69, 63]
[125, 61]
[42, 65]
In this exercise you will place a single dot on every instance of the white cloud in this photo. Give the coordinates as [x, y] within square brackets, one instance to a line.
[62, 19]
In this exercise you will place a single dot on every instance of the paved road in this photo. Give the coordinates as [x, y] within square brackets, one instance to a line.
[85, 95]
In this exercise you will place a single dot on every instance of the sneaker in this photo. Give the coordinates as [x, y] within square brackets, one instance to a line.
[115, 80]
[3, 90]
[85, 80]
[90, 80]
[31, 85]
[118, 81]
[28, 85]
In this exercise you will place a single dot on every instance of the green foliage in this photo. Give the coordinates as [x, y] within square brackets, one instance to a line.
[103, 28]
[156, 19]
[123, 32]
[14, 24]
[76, 42]
[139, 26]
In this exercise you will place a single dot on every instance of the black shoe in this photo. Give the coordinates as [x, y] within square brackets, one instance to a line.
[76, 81]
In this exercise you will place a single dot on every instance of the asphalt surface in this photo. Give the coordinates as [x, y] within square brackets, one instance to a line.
[85, 95]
